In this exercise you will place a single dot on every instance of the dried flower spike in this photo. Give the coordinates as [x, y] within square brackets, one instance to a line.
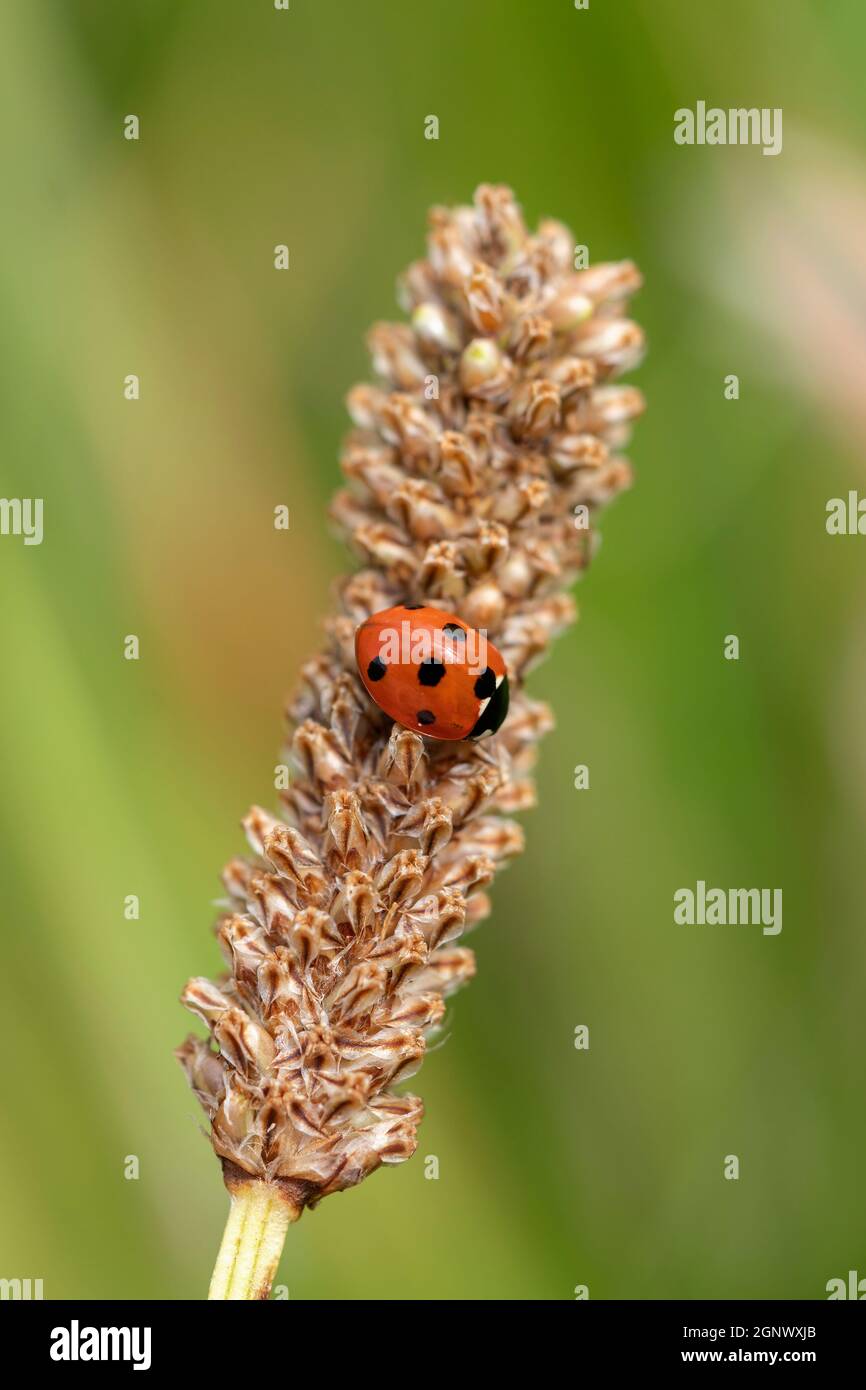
[472, 470]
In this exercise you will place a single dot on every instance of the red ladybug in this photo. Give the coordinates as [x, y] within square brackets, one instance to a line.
[431, 672]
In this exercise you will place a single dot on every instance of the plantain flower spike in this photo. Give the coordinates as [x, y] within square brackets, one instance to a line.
[473, 474]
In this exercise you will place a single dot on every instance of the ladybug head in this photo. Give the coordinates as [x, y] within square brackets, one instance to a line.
[493, 713]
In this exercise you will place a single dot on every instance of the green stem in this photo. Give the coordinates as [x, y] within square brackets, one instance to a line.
[259, 1217]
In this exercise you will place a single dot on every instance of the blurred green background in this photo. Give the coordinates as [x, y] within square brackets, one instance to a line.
[557, 1167]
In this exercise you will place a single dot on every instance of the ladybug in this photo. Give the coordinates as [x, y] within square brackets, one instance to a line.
[432, 673]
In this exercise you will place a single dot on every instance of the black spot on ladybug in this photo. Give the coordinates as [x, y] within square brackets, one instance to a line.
[426, 716]
[376, 669]
[486, 683]
[453, 630]
[493, 712]
[430, 672]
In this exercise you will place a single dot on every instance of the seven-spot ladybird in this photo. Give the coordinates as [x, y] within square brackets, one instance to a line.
[431, 672]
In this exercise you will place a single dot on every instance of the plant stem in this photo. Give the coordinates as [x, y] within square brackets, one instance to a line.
[252, 1242]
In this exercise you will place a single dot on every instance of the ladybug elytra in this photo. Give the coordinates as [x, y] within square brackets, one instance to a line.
[432, 673]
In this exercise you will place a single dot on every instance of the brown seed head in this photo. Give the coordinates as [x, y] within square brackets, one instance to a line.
[496, 417]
